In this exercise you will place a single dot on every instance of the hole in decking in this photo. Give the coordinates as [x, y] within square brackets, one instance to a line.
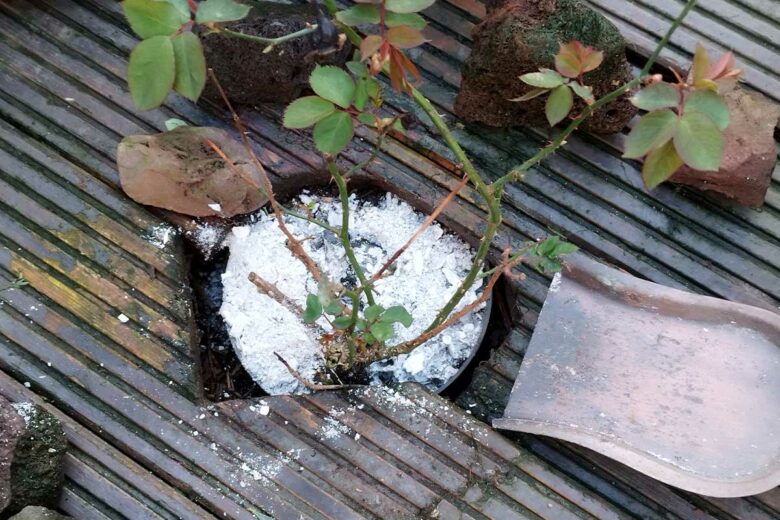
[223, 375]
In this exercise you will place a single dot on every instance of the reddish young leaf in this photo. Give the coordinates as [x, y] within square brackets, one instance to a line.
[592, 60]
[700, 66]
[408, 65]
[396, 71]
[567, 64]
[404, 37]
[370, 45]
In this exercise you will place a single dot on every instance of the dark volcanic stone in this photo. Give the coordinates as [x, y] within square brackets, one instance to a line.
[37, 466]
[521, 36]
[250, 76]
[749, 152]
[11, 429]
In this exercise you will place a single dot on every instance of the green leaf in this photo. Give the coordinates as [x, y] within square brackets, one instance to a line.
[370, 339]
[334, 84]
[306, 111]
[545, 78]
[562, 248]
[360, 325]
[333, 308]
[413, 20]
[699, 142]
[173, 123]
[372, 312]
[660, 164]
[313, 309]
[531, 94]
[710, 104]
[357, 68]
[398, 314]
[405, 37]
[190, 65]
[583, 91]
[359, 14]
[342, 322]
[367, 118]
[151, 71]
[220, 11]
[652, 130]
[150, 18]
[382, 331]
[361, 94]
[656, 96]
[333, 133]
[407, 6]
[558, 104]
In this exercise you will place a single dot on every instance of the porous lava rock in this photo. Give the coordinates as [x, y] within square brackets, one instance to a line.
[251, 76]
[11, 429]
[38, 459]
[749, 151]
[180, 171]
[522, 36]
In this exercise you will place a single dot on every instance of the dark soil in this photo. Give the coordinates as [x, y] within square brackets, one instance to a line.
[251, 76]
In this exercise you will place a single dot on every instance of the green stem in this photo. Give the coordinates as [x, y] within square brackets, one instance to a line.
[271, 42]
[517, 172]
[344, 236]
[522, 251]
[307, 218]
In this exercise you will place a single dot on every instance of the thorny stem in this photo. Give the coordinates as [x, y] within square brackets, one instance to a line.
[271, 42]
[344, 235]
[491, 193]
[250, 181]
[293, 244]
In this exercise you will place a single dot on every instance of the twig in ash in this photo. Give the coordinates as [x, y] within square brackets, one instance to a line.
[314, 387]
[266, 287]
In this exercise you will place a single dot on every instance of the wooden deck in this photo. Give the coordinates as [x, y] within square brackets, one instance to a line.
[144, 443]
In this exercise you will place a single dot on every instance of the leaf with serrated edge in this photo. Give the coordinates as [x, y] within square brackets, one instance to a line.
[534, 92]
[558, 104]
[359, 14]
[313, 309]
[413, 20]
[652, 130]
[333, 133]
[369, 46]
[372, 312]
[405, 37]
[382, 331]
[148, 19]
[656, 96]
[545, 78]
[407, 6]
[583, 91]
[306, 111]
[398, 314]
[700, 65]
[699, 142]
[151, 72]
[190, 65]
[660, 164]
[710, 104]
[333, 84]
[220, 11]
